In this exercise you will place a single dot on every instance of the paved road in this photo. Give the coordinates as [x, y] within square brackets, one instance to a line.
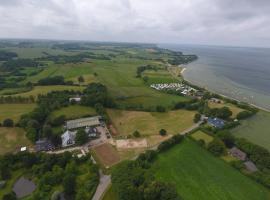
[105, 181]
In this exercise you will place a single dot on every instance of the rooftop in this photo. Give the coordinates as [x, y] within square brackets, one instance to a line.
[216, 122]
[83, 122]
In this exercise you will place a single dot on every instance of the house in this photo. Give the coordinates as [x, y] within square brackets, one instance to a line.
[44, 145]
[83, 122]
[75, 99]
[216, 122]
[237, 153]
[250, 166]
[68, 138]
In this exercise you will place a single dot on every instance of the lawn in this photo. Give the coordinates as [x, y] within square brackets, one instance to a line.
[235, 110]
[14, 111]
[12, 139]
[199, 135]
[149, 123]
[73, 112]
[45, 89]
[199, 175]
[109, 195]
[255, 129]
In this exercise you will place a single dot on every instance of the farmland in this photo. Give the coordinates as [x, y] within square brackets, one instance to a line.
[149, 123]
[12, 139]
[199, 175]
[255, 129]
[14, 111]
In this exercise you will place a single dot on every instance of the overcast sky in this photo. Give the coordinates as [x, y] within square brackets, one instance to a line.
[218, 22]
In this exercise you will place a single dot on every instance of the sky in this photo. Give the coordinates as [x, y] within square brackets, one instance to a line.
[210, 22]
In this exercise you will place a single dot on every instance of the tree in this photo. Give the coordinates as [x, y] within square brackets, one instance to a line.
[226, 137]
[80, 79]
[160, 109]
[197, 117]
[8, 123]
[81, 137]
[217, 147]
[145, 79]
[69, 184]
[136, 134]
[10, 196]
[47, 131]
[162, 132]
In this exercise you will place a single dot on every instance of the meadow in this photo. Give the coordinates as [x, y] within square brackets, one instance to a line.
[73, 112]
[150, 123]
[199, 135]
[11, 139]
[199, 175]
[14, 111]
[255, 129]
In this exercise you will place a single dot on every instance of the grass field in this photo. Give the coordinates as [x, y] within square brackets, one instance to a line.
[199, 135]
[12, 139]
[235, 110]
[159, 76]
[73, 111]
[149, 123]
[199, 175]
[45, 89]
[109, 195]
[255, 129]
[14, 111]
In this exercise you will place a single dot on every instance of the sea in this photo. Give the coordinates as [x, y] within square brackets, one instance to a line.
[242, 73]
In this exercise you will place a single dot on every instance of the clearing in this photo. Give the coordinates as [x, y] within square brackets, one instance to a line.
[14, 111]
[199, 135]
[150, 123]
[73, 112]
[199, 175]
[11, 139]
[255, 129]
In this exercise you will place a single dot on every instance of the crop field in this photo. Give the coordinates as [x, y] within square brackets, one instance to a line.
[199, 135]
[12, 139]
[45, 89]
[14, 111]
[73, 112]
[235, 110]
[197, 174]
[149, 123]
[255, 129]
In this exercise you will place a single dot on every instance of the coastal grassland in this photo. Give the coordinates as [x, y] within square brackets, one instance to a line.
[14, 111]
[12, 139]
[199, 135]
[73, 111]
[255, 129]
[235, 110]
[159, 76]
[45, 89]
[199, 175]
[150, 123]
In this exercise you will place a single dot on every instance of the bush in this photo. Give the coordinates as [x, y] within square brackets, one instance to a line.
[170, 142]
[197, 118]
[217, 147]
[162, 132]
[244, 114]
[8, 123]
[160, 109]
[136, 134]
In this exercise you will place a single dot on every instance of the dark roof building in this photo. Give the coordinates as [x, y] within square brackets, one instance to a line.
[44, 145]
[237, 153]
[216, 122]
[250, 166]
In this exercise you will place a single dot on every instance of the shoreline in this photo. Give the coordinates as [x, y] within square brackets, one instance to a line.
[225, 96]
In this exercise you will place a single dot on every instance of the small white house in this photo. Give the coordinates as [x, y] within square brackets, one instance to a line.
[68, 138]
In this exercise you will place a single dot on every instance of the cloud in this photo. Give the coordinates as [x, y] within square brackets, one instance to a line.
[242, 22]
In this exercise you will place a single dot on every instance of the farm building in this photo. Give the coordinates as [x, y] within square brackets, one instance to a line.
[83, 122]
[250, 166]
[216, 122]
[237, 153]
[44, 145]
[68, 138]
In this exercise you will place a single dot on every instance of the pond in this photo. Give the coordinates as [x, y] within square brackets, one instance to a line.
[23, 187]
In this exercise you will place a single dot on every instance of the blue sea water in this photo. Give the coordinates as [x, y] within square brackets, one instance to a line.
[242, 73]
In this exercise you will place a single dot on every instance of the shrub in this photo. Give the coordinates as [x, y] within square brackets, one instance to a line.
[217, 147]
[136, 134]
[8, 123]
[197, 117]
[162, 132]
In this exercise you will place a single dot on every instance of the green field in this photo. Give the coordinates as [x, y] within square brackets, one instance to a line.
[109, 195]
[12, 139]
[199, 175]
[255, 129]
[73, 112]
[159, 76]
[149, 123]
[45, 89]
[199, 135]
[14, 111]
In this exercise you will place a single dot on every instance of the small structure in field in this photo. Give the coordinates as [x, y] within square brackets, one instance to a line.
[75, 99]
[68, 138]
[237, 153]
[215, 100]
[83, 122]
[23, 149]
[250, 166]
[216, 122]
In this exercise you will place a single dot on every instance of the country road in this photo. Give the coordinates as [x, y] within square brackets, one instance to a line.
[105, 180]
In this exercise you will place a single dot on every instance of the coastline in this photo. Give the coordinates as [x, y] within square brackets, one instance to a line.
[225, 96]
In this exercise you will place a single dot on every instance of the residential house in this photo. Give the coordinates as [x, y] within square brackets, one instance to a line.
[216, 122]
[68, 138]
